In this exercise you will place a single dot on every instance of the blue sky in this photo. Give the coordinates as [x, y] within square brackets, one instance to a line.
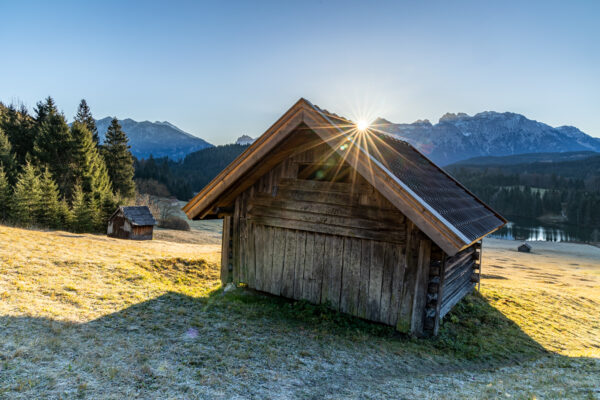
[222, 69]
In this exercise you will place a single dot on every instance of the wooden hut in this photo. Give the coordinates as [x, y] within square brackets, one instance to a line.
[524, 248]
[135, 223]
[316, 209]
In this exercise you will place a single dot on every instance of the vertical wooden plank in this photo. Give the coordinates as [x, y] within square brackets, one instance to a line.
[251, 255]
[332, 271]
[326, 276]
[268, 259]
[440, 295]
[259, 250]
[225, 251]
[317, 272]
[408, 285]
[236, 240]
[350, 276]
[287, 280]
[397, 282]
[375, 281]
[299, 265]
[308, 266]
[422, 280]
[279, 236]
[363, 282]
[243, 275]
[386, 282]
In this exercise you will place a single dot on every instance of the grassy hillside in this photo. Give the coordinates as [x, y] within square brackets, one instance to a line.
[85, 316]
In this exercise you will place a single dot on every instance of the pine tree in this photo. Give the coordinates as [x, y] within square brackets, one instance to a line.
[89, 169]
[7, 159]
[53, 144]
[64, 215]
[21, 131]
[108, 206]
[48, 212]
[26, 196]
[82, 217]
[84, 116]
[5, 195]
[119, 161]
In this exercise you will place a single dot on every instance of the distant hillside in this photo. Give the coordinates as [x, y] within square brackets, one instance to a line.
[188, 176]
[584, 166]
[527, 158]
[200, 167]
[562, 187]
[160, 139]
[460, 136]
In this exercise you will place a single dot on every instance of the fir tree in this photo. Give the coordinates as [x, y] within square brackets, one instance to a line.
[84, 116]
[119, 161]
[21, 131]
[82, 216]
[48, 212]
[26, 196]
[64, 215]
[89, 169]
[53, 144]
[5, 196]
[7, 158]
[108, 207]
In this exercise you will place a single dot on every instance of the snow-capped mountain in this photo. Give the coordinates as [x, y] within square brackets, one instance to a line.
[157, 138]
[460, 136]
[244, 140]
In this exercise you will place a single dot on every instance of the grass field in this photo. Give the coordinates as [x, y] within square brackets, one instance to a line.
[85, 316]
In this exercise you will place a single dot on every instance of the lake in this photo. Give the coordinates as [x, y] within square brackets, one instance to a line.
[533, 230]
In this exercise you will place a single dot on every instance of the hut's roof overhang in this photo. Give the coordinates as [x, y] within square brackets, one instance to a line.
[434, 201]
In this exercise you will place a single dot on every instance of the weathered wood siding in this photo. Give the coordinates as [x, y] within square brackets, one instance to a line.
[461, 273]
[339, 243]
[142, 232]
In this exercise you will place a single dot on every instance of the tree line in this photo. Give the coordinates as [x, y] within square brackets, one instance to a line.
[534, 195]
[164, 177]
[57, 176]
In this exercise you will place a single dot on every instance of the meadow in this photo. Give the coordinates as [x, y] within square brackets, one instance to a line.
[86, 316]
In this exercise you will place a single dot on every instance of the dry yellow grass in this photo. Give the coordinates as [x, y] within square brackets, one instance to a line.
[80, 277]
[86, 316]
[553, 293]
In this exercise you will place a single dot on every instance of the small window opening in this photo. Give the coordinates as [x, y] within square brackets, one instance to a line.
[325, 172]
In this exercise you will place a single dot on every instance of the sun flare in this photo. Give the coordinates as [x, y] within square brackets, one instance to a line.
[362, 125]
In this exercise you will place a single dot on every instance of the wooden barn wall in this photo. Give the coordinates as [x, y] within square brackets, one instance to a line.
[142, 232]
[459, 276]
[337, 243]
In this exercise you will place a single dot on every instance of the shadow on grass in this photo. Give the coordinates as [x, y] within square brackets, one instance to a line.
[238, 343]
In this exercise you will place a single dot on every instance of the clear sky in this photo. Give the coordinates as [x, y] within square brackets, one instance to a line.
[224, 68]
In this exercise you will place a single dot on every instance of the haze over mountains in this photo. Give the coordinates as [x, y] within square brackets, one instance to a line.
[460, 136]
[159, 139]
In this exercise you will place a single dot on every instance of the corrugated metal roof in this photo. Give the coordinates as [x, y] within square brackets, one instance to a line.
[454, 205]
[138, 215]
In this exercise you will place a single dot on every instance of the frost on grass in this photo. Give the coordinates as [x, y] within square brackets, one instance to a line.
[91, 317]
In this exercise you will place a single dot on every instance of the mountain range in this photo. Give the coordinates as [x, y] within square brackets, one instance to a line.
[454, 138]
[460, 136]
[159, 139]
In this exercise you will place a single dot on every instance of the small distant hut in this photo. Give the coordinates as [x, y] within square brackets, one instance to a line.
[323, 210]
[135, 223]
[524, 248]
